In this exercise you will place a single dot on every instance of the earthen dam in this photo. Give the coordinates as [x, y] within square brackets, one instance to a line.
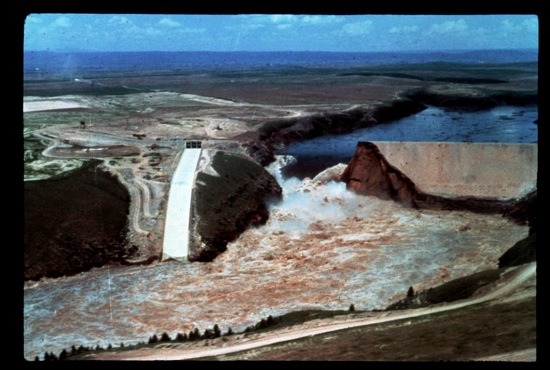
[496, 170]
[485, 170]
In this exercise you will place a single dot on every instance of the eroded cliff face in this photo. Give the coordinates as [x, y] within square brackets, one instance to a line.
[369, 173]
[232, 194]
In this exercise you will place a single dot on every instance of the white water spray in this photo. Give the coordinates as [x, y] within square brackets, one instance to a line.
[306, 202]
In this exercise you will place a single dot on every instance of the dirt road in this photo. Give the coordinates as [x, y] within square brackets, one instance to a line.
[526, 355]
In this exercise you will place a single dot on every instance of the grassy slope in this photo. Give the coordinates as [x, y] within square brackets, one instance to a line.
[449, 336]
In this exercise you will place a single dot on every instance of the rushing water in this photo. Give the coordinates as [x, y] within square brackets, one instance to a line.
[501, 124]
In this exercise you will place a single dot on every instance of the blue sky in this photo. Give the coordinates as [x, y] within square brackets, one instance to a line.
[272, 32]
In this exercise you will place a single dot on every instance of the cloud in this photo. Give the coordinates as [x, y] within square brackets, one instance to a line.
[321, 19]
[34, 19]
[169, 23]
[527, 25]
[284, 26]
[117, 19]
[261, 19]
[62, 22]
[358, 28]
[252, 22]
[403, 29]
[282, 18]
[449, 26]
[150, 31]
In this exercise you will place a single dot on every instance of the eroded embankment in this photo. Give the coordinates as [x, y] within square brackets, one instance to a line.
[475, 177]
[274, 135]
[478, 99]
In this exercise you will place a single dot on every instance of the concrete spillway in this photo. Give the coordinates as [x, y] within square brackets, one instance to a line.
[495, 170]
[178, 211]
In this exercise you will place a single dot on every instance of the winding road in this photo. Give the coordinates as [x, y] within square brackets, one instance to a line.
[134, 188]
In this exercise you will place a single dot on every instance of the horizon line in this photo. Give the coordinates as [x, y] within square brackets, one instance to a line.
[277, 51]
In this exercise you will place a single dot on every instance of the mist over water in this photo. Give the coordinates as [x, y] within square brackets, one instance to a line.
[306, 202]
[301, 207]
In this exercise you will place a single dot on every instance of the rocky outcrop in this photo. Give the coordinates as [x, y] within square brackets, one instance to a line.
[369, 173]
[229, 197]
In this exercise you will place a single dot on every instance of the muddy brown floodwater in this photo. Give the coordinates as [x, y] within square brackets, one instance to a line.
[322, 248]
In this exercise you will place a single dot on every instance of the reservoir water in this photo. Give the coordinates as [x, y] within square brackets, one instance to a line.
[501, 124]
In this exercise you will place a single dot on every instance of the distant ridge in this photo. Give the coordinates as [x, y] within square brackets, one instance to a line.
[47, 64]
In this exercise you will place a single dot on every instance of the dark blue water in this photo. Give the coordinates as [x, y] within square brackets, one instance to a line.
[502, 124]
[45, 65]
